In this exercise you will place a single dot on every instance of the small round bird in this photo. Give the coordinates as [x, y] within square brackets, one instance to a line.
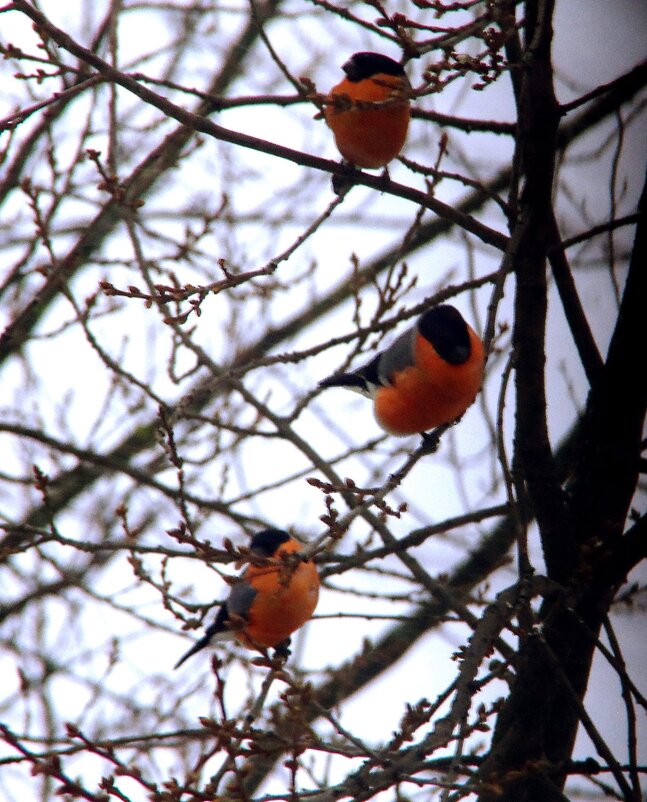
[269, 601]
[427, 377]
[368, 111]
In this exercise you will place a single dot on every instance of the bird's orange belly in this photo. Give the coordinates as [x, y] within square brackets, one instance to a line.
[370, 137]
[280, 608]
[414, 405]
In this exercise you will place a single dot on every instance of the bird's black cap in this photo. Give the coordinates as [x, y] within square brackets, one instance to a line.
[364, 65]
[444, 327]
[266, 543]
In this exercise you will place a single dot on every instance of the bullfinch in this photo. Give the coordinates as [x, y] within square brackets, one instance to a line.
[370, 123]
[269, 601]
[427, 377]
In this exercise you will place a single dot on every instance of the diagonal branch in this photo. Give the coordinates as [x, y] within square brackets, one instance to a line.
[538, 121]
[197, 122]
[609, 465]
[158, 162]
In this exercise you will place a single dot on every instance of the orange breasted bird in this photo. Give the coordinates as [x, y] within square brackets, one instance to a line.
[269, 601]
[370, 135]
[427, 377]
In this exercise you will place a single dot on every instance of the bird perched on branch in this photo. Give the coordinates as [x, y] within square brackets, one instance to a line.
[368, 111]
[428, 377]
[275, 595]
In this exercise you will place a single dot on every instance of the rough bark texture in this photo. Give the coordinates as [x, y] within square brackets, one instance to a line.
[581, 527]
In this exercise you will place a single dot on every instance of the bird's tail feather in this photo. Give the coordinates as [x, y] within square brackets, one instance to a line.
[204, 641]
[351, 381]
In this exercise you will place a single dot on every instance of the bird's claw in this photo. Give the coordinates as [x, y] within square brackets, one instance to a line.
[342, 182]
[282, 649]
[430, 442]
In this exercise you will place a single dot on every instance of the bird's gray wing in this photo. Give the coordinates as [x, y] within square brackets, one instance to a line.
[240, 598]
[398, 356]
[380, 370]
[239, 601]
